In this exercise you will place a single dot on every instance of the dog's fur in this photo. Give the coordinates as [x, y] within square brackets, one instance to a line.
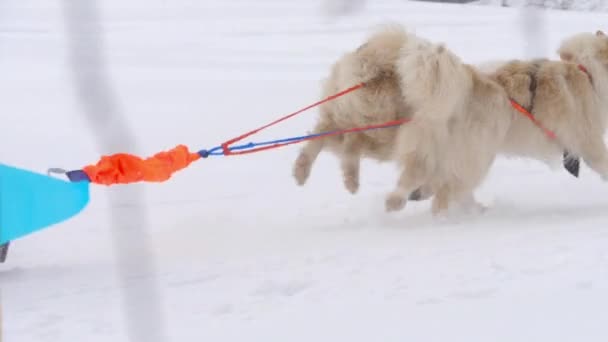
[462, 116]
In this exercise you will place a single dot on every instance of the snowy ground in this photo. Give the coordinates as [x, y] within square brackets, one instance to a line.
[240, 252]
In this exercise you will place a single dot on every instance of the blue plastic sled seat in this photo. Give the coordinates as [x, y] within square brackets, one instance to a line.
[30, 202]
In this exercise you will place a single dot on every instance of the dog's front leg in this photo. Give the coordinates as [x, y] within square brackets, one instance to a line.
[413, 175]
[350, 162]
[441, 200]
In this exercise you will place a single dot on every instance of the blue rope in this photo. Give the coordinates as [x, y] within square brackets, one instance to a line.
[219, 151]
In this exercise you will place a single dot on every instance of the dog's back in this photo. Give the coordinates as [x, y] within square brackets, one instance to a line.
[559, 95]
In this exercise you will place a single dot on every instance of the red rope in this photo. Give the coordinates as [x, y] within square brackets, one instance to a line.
[226, 145]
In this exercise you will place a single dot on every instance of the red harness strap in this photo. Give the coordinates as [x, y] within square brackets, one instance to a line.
[529, 115]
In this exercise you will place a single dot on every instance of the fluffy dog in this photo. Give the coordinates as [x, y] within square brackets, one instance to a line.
[568, 97]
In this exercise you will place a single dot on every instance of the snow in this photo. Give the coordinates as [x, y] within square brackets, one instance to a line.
[231, 249]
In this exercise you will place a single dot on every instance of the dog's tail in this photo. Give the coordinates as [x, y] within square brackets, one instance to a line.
[378, 56]
[434, 81]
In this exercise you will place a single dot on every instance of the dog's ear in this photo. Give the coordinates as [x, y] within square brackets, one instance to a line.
[566, 56]
[600, 33]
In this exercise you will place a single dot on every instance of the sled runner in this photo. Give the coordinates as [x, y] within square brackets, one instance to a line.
[3, 252]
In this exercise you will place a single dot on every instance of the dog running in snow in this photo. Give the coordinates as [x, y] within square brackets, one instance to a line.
[463, 116]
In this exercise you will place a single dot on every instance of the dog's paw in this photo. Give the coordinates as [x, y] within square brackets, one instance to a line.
[352, 184]
[395, 202]
[439, 207]
[301, 169]
[470, 207]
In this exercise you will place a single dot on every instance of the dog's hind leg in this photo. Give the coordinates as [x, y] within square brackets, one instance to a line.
[455, 196]
[303, 164]
[413, 175]
[350, 162]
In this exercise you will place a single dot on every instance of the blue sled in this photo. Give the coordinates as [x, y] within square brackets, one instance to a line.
[30, 202]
